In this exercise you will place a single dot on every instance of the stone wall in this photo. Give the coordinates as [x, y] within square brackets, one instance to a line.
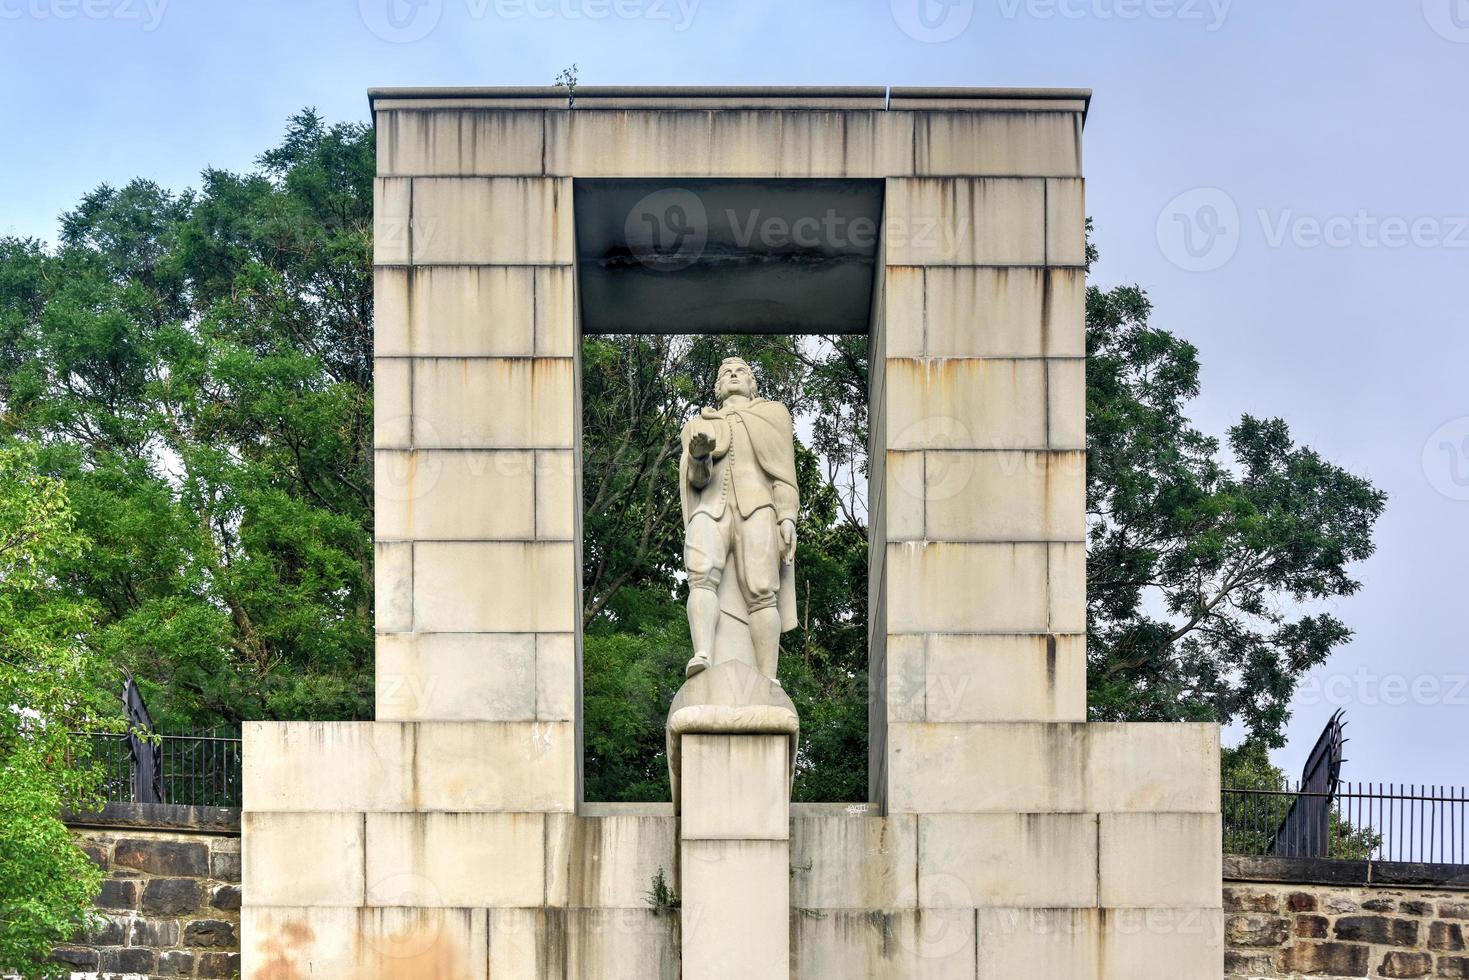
[1320, 930]
[170, 906]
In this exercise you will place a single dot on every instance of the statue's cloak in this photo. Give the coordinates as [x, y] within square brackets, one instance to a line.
[772, 437]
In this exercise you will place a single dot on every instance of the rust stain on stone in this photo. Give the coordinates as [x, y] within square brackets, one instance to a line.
[281, 949]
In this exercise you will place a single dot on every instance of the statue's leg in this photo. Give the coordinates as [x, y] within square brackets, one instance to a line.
[705, 552]
[757, 551]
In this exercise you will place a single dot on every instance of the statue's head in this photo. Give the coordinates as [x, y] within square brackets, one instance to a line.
[735, 378]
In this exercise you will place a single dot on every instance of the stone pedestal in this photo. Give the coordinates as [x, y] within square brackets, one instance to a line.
[731, 746]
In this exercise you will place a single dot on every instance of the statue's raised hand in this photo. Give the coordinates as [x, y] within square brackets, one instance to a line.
[701, 444]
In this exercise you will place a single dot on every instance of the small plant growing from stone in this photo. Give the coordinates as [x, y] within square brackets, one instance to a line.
[566, 78]
[662, 899]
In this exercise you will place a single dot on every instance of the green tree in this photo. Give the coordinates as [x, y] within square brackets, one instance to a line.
[1202, 569]
[197, 368]
[51, 687]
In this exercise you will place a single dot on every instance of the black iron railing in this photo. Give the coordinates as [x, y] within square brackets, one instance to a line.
[1361, 821]
[199, 768]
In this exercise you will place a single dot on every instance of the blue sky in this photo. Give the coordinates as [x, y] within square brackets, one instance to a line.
[1287, 179]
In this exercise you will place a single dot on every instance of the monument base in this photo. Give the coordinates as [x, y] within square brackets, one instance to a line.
[732, 735]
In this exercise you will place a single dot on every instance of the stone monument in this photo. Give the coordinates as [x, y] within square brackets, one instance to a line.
[1005, 838]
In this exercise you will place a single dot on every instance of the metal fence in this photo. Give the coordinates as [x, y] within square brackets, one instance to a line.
[1361, 821]
[199, 768]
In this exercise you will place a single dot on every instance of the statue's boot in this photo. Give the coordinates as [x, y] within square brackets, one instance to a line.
[699, 662]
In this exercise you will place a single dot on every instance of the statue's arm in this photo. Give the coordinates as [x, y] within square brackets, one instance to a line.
[697, 457]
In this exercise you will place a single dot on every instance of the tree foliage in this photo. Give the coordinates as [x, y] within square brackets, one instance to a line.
[1204, 571]
[51, 686]
[197, 368]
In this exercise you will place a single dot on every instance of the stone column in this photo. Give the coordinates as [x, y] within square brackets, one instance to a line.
[732, 737]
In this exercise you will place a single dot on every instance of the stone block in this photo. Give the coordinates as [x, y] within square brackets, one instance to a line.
[219, 966]
[455, 495]
[133, 961]
[590, 944]
[1162, 944]
[998, 144]
[806, 143]
[1066, 403]
[1031, 942]
[967, 587]
[390, 317]
[1023, 677]
[392, 210]
[210, 933]
[905, 495]
[340, 767]
[506, 586]
[1377, 929]
[496, 766]
[845, 856]
[158, 856]
[224, 865]
[1005, 496]
[1065, 222]
[608, 861]
[459, 142]
[965, 221]
[1328, 959]
[969, 311]
[449, 860]
[729, 892]
[1008, 860]
[226, 897]
[966, 403]
[456, 677]
[299, 859]
[175, 963]
[1153, 768]
[1066, 587]
[556, 688]
[393, 594]
[382, 943]
[1161, 860]
[905, 695]
[558, 498]
[494, 403]
[916, 944]
[117, 893]
[172, 896]
[492, 221]
[471, 311]
[1009, 768]
[1257, 930]
[392, 404]
[152, 932]
[735, 787]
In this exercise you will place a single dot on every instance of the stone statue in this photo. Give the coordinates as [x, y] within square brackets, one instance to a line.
[737, 480]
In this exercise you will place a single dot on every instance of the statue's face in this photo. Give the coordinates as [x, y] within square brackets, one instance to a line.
[735, 378]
